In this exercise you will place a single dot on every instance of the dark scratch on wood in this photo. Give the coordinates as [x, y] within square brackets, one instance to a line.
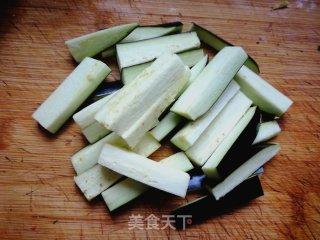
[40, 216]
[311, 231]
[30, 199]
[223, 227]
[22, 148]
[61, 190]
[40, 179]
[32, 191]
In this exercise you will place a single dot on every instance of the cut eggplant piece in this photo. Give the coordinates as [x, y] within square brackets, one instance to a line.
[189, 58]
[91, 129]
[144, 170]
[129, 189]
[207, 206]
[106, 89]
[209, 85]
[85, 117]
[154, 31]
[93, 43]
[172, 120]
[97, 178]
[146, 32]
[210, 168]
[195, 71]
[95, 132]
[210, 183]
[193, 130]
[130, 54]
[218, 43]
[239, 153]
[87, 181]
[265, 96]
[245, 170]
[178, 161]
[266, 131]
[166, 125]
[128, 74]
[70, 94]
[218, 129]
[87, 157]
[146, 146]
[198, 68]
[137, 106]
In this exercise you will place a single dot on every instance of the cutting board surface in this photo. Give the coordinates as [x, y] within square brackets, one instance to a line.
[38, 198]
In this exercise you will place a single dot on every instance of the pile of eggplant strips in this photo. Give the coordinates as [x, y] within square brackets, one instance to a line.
[219, 114]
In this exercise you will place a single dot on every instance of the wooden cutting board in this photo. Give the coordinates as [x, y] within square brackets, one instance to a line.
[38, 198]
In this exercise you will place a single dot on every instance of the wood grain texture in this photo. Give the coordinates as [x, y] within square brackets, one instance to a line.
[38, 198]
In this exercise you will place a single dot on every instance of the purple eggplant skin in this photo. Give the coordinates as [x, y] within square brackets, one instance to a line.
[179, 26]
[196, 182]
[235, 159]
[207, 206]
[259, 171]
[239, 151]
[217, 43]
[107, 88]
[265, 117]
[212, 182]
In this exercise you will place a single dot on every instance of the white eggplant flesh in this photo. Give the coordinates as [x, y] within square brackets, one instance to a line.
[198, 68]
[91, 44]
[95, 180]
[87, 157]
[150, 117]
[166, 125]
[189, 134]
[70, 94]
[209, 85]
[178, 161]
[264, 95]
[130, 54]
[91, 129]
[171, 120]
[144, 170]
[95, 132]
[85, 117]
[266, 131]
[189, 58]
[244, 171]
[136, 107]
[143, 33]
[218, 129]
[146, 146]
[129, 189]
[210, 167]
